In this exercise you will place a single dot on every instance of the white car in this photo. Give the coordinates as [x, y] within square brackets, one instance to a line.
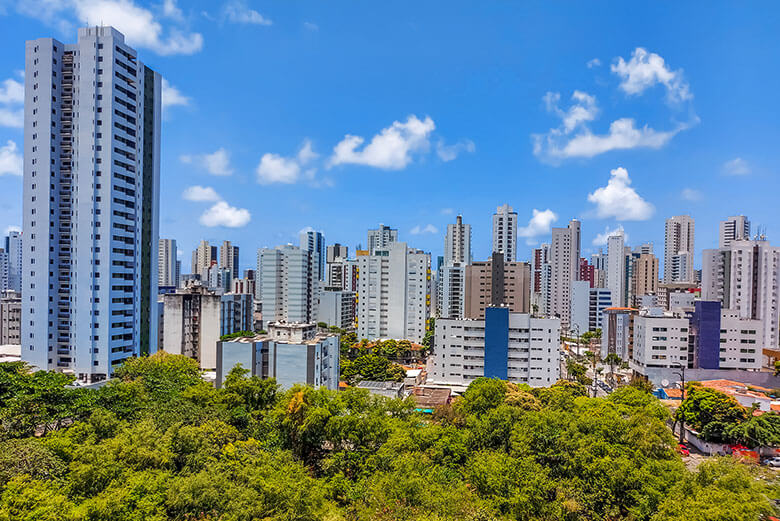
[772, 462]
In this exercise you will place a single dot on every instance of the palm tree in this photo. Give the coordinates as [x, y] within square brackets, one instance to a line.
[612, 360]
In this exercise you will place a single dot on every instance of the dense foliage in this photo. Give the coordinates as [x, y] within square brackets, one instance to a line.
[158, 444]
[238, 334]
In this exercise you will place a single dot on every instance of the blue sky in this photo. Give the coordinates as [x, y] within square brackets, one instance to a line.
[342, 115]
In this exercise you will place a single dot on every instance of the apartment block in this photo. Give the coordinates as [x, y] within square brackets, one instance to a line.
[381, 238]
[10, 317]
[290, 284]
[191, 324]
[505, 232]
[13, 250]
[394, 293]
[228, 258]
[337, 308]
[564, 260]
[660, 340]
[510, 346]
[91, 204]
[167, 270]
[735, 228]
[236, 313]
[290, 353]
[678, 249]
[497, 283]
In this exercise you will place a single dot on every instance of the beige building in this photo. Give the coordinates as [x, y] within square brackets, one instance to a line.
[496, 283]
[644, 277]
[191, 324]
[10, 318]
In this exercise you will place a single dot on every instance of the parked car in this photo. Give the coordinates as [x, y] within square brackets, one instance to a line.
[772, 462]
[683, 449]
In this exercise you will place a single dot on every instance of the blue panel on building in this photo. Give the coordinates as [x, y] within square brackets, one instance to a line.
[496, 342]
[705, 325]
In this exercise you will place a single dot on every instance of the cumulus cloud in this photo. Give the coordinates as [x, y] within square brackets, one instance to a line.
[595, 62]
[391, 149]
[239, 12]
[222, 214]
[139, 24]
[736, 166]
[171, 96]
[274, 168]
[11, 103]
[171, 10]
[574, 138]
[428, 228]
[540, 224]
[199, 193]
[646, 69]
[601, 238]
[10, 159]
[216, 163]
[619, 200]
[689, 194]
[449, 152]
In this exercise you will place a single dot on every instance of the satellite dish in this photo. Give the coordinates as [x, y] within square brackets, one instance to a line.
[664, 383]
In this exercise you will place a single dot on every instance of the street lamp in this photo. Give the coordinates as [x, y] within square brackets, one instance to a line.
[681, 374]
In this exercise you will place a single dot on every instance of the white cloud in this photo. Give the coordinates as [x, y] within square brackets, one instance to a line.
[11, 92]
[171, 10]
[10, 160]
[428, 228]
[171, 96]
[447, 211]
[222, 214]
[601, 238]
[238, 12]
[736, 166]
[138, 24]
[619, 200]
[595, 62]
[274, 168]
[646, 69]
[11, 101]
[311, 26]
[216, 163]
[573, 138]
[539, 224]
[449, 152]
[391, 149]
[689, 194]
[199, 193]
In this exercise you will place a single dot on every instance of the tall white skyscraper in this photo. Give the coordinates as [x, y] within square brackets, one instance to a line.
[202, 258]
[451, 277]
[314, 242]
[735, 228]
[13, 251]
[166, 263]
[228, 258]
[564, 260]
[678, 249]
[616, 268]
[505, 232]
[394, 291]
[745, 277]
[457, 243]
[288, 276]
[91, 204]
[380, 238]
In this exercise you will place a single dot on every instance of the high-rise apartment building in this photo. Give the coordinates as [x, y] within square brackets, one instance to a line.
[289, 281]
[13, 250]
[167, 271]
[91, 204]
[394, 292]
[745, 277]
[616, 268]
[678, 249]
[735, 228]
[564, 259]
[381, 238]
[3, 270]
[457, 243]
[10, 317]
[314, 242]
[497, 283]
[644, 277]
[541, 271]
[336, 251]
[191, 324]
[228, 258]
[203, 257]
[505, 232]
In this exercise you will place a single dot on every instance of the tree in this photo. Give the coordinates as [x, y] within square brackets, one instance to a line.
[577, 372]
[758, 431]
[612, 360]
[371, 367]
[482, 395]
[593, 358]
[710, 412]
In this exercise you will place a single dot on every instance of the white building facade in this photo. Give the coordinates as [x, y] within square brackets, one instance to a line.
[564, 261]
[505, 232]
[289, 284]
[91, 195]
[167, 272]
[678, 249]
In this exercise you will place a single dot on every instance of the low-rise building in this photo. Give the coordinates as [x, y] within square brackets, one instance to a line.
[10, 317]
[660, 340]
[290, 353]
[510, 346]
